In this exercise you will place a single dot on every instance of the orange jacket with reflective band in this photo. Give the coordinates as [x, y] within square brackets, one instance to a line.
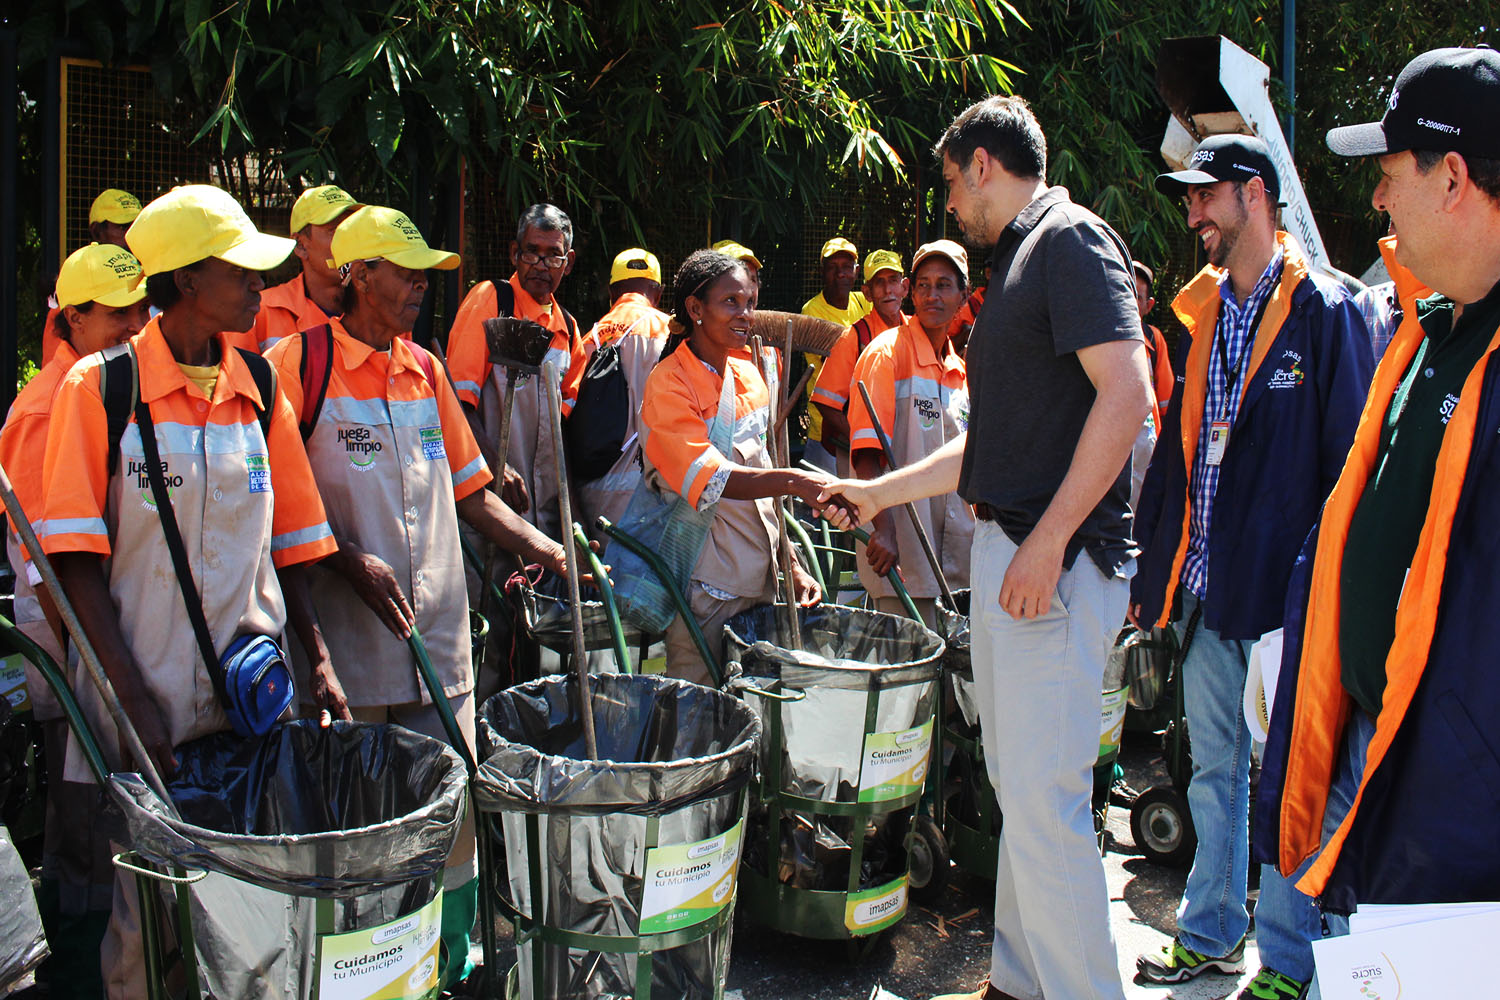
[482, 386]
[631, 313]
[834, 382]
[391, 453]
[922, 401]
[284, 310]
[243, 501]
[23, 443]
[1321, 705]
[682, 396]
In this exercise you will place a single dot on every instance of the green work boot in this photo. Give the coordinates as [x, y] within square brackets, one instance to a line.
[1269, 984]
[459, 907]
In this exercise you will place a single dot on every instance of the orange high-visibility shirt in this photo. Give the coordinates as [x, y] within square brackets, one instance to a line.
[391, 453]
[835, 383]
[482, 385]
[922, 401]
[245, 502]
[682, 396]
[284, 310]
[23, 443]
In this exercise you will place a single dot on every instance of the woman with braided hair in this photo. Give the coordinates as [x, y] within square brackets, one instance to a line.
[707, 363]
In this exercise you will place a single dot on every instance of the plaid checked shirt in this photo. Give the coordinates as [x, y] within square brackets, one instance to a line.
[1236, 331]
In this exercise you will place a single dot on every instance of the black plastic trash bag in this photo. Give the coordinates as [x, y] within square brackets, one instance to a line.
[674, 755]
[304, 832]
[22, 944]
[846, 653]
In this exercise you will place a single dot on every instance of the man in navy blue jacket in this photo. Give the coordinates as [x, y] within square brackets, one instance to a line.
[1382, 775]
[1278, 363]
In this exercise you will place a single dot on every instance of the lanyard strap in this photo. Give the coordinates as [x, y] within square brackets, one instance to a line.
[1398, 401]
[1232, 375]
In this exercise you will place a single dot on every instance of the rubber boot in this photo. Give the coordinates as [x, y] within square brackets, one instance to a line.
[459, 908]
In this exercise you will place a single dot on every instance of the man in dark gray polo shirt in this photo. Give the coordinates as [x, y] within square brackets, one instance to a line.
[1058, 386]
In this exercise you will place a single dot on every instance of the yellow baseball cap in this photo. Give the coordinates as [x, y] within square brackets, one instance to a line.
[732, 249]
[319, 206]
[943, 248]
[635, 263]
[195, 222]
[838, 245]
[882, 260]
[114, 205]
[374, 232]
[102, 273]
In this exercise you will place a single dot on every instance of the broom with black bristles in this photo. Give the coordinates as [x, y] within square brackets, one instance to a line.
[519, 346]
[795, 332]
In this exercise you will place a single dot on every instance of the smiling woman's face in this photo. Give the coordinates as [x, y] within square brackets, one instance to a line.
[722, 315]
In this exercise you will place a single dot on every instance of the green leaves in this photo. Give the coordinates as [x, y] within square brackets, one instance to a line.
[383, 121]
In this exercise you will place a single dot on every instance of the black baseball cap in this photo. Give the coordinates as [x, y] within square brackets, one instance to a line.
[1227, 157]
[1446, 100]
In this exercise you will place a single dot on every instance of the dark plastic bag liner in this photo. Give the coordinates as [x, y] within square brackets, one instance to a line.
[362, 814]
[22, 945]
[671, 750]
[847, 652]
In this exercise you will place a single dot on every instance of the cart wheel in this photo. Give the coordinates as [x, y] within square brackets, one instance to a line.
[930, 864]
[1163, 827]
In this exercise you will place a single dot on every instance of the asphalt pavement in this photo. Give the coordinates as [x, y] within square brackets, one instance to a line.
[944, 948]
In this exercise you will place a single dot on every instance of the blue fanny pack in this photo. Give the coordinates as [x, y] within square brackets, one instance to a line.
[257, 684]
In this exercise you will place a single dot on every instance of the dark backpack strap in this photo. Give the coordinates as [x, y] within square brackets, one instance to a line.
[176, 547]
[118, 388]
[505, 299]
[316, 369]
[571, 324]
[264, 375]
[863, 333]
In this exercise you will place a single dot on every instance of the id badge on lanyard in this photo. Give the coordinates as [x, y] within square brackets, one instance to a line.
[1218, 440]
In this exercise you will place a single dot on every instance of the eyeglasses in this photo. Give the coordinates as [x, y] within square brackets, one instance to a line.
[556, 263]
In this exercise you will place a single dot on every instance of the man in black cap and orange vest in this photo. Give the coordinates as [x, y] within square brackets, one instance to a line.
[1382, 778]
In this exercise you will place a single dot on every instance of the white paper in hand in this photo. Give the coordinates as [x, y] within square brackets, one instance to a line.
[1260, 683]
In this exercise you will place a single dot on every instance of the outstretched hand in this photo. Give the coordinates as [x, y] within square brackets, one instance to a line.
[848, 503]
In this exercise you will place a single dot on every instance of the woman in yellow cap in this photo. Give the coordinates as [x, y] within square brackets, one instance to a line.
[109, 216]
[397, 466]
[100, 304]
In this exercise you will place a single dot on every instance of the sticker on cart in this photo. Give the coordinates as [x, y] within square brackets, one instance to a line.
[895, 763]
[395, 961]
[872, 910]
[687, 884]
[1112, 720]
[13, 682]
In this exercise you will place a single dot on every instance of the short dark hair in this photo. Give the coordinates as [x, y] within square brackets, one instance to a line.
[161, 288]
[700, 270]
[1005, 128]
[60, 325]
[1484, 173]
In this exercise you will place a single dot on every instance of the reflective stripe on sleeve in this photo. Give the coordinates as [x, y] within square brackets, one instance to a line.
[472, 469]
[71, 526]
[292, 539]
